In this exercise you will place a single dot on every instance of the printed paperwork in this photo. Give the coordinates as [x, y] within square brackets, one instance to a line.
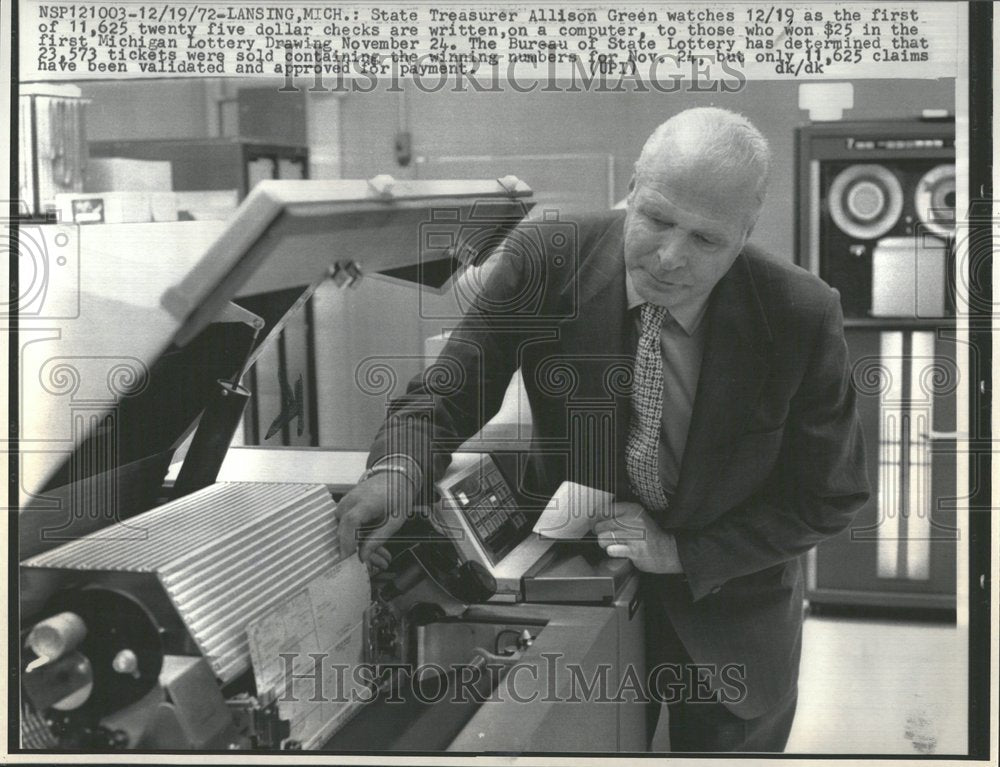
[308, 649]
[573, 511]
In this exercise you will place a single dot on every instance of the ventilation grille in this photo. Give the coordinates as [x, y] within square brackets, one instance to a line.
[225, 555]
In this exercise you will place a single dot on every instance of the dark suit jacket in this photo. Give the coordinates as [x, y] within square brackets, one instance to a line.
[774, 461]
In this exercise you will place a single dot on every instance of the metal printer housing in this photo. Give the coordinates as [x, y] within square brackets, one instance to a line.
[206, 564]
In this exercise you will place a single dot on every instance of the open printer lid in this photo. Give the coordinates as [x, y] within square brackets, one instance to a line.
[149, 295]
[290, 233]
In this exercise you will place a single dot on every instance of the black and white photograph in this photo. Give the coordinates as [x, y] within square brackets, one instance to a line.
[491, 383]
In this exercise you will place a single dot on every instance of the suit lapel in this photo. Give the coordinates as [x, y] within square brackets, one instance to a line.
[599, 343]
[599, 328]
[734, 367]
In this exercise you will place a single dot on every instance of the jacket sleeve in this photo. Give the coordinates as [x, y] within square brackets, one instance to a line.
[818, 483]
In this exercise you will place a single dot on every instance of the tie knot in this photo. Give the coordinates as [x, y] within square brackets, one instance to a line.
[653, 316]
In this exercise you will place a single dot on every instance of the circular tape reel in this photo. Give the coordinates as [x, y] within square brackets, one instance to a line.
[934, 199]
[866, 200]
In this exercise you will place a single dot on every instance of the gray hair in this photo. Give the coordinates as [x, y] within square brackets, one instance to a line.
[726, 140]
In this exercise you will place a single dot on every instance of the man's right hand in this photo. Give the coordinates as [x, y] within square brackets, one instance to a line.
[378, 506]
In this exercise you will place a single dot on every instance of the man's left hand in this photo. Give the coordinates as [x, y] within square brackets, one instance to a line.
[630, 532]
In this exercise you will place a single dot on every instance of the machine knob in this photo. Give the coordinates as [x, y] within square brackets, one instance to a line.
[52, 638]
[126, 662]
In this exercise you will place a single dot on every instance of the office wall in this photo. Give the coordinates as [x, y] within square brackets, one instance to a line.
[141, 109]
[354, 136]
[450, 124]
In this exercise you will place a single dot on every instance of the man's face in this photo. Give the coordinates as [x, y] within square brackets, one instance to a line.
[683, 230]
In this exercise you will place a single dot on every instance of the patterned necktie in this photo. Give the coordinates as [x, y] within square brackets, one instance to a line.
[642, 450]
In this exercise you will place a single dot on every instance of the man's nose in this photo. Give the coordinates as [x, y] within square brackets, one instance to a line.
[672, 252]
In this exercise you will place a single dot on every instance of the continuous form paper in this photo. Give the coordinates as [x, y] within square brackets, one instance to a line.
[321, 625]
[573, 511]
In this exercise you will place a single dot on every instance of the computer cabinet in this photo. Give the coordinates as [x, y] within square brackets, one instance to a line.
[900, 550]
[875, 218]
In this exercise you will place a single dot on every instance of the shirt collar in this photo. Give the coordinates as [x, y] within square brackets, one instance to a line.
[688, 315]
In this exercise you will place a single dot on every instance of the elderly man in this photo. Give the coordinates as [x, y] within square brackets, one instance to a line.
[733, 448]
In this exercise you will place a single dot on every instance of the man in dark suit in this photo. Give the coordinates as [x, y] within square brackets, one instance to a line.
[703, 382]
